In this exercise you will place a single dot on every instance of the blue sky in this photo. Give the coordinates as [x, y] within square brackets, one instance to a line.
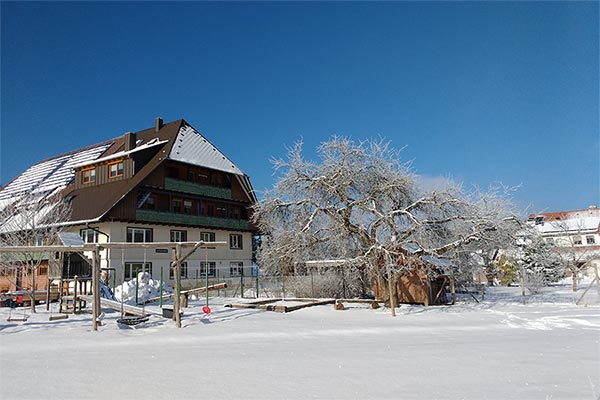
[481, 92]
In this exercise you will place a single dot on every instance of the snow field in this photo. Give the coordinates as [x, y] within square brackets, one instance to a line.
[498, 349]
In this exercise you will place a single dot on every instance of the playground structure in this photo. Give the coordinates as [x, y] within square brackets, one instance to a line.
[95, 248]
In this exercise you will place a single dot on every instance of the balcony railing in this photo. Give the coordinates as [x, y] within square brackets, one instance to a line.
[194, 220]
[178, 185]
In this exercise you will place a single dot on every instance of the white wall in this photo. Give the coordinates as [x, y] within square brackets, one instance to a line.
[222, 255]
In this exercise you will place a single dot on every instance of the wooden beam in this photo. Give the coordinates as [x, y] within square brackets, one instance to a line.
[113, 245]
[217, 286]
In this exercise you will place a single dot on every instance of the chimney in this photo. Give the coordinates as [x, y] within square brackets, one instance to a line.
[158, 124]
[129, 139]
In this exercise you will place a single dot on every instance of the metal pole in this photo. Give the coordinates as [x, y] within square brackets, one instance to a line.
[257, 284]
[206, 274]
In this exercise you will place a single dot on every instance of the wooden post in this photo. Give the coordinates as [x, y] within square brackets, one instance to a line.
[48, 295]
[74, 293]
[453, 289]
[523, 284]
[391, 285]
[176, 299]
[95, 288]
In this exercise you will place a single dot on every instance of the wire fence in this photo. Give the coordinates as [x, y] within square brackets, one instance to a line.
[331, 284]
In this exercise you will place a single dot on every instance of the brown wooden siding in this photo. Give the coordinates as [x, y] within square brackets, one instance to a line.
[102, 174]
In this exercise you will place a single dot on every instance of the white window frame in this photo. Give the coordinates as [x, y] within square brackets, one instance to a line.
[207, 236]
[183, 271]
[212, 268]
[236, 268]
[145, 235]
[85, 235]
[236, 241]
[176, 235]
[137, 266]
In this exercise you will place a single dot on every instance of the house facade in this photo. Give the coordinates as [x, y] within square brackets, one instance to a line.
[167, 183]
[575, 233]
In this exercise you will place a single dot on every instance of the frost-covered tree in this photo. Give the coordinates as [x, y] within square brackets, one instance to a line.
[361, 203]
[31, 219]
[539, 263]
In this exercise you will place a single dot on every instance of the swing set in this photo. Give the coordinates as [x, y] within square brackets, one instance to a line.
[95, 248]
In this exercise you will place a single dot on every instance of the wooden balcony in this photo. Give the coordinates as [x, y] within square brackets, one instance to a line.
[170, 218]
[178, 185]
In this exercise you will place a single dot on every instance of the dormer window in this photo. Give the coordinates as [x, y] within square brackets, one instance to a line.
[115, 169]
[88, 175]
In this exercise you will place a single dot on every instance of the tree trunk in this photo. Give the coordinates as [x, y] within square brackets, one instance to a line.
[523, 284]
[32, 290]
[574, 277]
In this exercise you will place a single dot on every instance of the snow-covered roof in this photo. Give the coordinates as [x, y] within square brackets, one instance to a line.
[70, 239]
[572, 225]
[438, 262]
[192, 148]
[411, 247]
[151, 143]
[51, 174]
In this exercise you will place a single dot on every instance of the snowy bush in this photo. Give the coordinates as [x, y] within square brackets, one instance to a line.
[148, 288]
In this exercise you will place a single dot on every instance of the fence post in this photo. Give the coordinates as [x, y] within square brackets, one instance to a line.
[242, 282]
[257, 284]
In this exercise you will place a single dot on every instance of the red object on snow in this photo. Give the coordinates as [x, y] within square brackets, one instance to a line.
[19, 300]
[206, 309]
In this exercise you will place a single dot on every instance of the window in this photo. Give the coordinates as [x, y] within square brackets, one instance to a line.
[150, 202]
[42, 271]
[235, 241]
[590, 239]
[88, 175]
[39, 240]
[115, 169]
[182, 271]
[212, 268]
[132, 269]
[187, 207]
[207, 236]
[577, 239]
[89, 235]
[236, 268]
[139, 235]
[178, 236]
[176, 205]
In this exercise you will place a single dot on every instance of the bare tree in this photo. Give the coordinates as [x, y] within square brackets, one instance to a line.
[31, 219]
[572, 247]
[360, 203]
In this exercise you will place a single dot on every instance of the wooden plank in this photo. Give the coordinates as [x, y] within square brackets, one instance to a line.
[216, 286]
[115, 305]
[364, 301]
[264, 304]
[316, 303]
[57, 317]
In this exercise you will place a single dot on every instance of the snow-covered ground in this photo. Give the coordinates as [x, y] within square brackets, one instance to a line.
[498, 349]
